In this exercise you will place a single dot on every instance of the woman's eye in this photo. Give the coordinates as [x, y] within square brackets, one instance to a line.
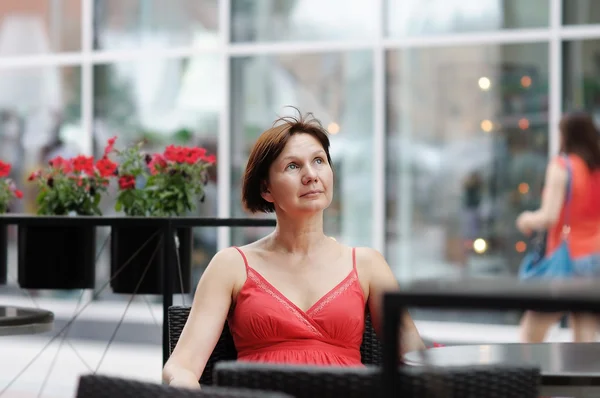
[319, 160]
[292, 166]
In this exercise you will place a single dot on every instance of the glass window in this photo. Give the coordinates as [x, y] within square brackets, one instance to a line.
[467, 132]
[581, 12]
[337, 89]
[130, 24]
[39, 27]
[40, 117]
[581, 66]
[430, 17]
[167, 101]
[284, 20]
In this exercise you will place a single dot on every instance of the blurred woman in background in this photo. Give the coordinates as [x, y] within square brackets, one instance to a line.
[580, 152]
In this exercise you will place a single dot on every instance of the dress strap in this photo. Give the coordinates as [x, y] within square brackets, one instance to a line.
[354, 258]
[244, 257]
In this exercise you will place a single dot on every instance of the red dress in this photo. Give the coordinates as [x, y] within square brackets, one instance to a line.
[267, 327]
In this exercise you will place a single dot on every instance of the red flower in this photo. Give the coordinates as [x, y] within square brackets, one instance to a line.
[84, 164]
[192, 155]
[61, 164]
[18, 194]
[175, 154]
[4, 169]
[106, 167]
[110, 145]
[187, 155]
[127, 182]
[157, 163]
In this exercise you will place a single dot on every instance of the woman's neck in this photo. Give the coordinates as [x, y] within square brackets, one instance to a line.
[295, 235]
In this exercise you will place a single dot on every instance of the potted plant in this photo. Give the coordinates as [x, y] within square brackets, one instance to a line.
[8, 193]
[63, 256]
[167, 184]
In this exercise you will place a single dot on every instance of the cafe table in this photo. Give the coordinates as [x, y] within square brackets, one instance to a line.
[19, 320]
[567, 369]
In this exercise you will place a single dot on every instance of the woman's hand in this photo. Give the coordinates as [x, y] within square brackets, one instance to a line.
[180, 377]
[185, 383]
[525, 223]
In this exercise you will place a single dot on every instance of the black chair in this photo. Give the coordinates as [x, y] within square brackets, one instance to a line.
[370, 350]
[412, 382]
[96, 386]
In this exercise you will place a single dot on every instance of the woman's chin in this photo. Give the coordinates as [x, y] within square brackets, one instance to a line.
[313, 208]
[308, 209]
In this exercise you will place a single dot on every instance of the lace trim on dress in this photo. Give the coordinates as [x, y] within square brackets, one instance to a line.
[263, 286]
[341, 289]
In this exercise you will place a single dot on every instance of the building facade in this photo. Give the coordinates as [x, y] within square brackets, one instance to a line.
[443, 113]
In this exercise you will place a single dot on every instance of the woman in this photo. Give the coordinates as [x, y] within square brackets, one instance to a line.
[294, 296]
[579, 144]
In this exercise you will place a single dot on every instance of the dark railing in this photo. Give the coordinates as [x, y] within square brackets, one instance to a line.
[166, 224]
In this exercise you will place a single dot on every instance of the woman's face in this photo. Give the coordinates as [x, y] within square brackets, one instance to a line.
[300, 178]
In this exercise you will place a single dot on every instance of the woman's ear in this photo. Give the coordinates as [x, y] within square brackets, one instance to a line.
[265, 192]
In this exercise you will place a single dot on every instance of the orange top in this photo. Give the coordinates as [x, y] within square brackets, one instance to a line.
[584, 212]
[267, 327]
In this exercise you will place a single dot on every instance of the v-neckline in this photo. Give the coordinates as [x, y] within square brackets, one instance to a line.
[291, 303]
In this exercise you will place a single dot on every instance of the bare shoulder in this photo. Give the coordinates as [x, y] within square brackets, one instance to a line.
[556, 172]
[558, 165]
[372, 266]
[227, 256]
[370, 260]
[374, 272]
[227, 265]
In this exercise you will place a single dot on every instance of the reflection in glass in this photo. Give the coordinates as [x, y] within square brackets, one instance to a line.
[429, 17]
[167, 101]
[40, 117]
[468, 140]
[130, 24]
[284, 20]
[39, 27]
[581, 12]
[337, 89]
[581, 65]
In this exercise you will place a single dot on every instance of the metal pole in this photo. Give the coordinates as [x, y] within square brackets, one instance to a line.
[168, 266]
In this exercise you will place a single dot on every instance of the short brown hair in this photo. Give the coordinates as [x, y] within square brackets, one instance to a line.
[267, 148]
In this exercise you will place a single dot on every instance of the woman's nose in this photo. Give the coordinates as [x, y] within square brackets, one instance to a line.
[309, 176]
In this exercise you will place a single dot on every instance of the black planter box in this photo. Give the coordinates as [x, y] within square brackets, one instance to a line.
[3, 253]
[57, 257]
[146, 241]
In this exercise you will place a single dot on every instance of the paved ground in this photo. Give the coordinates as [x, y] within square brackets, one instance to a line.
[124, 360]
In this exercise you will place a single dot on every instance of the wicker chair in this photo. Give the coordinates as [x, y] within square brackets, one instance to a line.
[413, 382]
[95, 386]
[370, 350]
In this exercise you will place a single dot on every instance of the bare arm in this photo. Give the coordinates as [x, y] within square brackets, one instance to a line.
[552, 201]
[381, 280]
[205, 323]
